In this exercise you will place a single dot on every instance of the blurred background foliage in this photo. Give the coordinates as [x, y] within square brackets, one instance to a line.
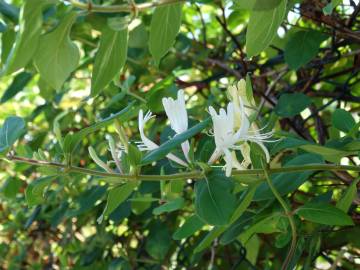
[306, 81]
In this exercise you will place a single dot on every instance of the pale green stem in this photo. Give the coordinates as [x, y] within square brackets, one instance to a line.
[289, 215]
[122, 8]
[196, 174]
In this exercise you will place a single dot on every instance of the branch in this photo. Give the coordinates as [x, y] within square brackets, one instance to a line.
[122, 8]
[195, 174]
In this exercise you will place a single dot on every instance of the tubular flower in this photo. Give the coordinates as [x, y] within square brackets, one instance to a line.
[232, 132]
[147, 144]
[225, 137]
[177, 114]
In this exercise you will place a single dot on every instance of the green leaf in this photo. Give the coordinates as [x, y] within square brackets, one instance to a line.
[246, 199]
[110, 58]
[169, 206]
[11, 187]
[116, 196]
[135, 155]
[326, 214]
[191, 225]
[171, 144]
[256, 4]
[72, 140]
[207, 240]
[343, 120]
[165, 25]
[350, 194]
[27, 39]
[288, 182]
[291, 104]
[9, 11]
[267, 225]
[214, 200]
[302, 47]
[11, 130]
[34, 192]
[18, 84]
[57, 56]
[159, 241]
[262, 28]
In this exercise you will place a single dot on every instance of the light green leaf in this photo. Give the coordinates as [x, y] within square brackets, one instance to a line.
[262, 28]
[57, 56]
[34, 192]
[171, 144]
[110, 58]
[291, 104]
[323, 213]
[342, 120]
[191, 225]
[11, 130]
[350, 194]
[116, 196]
[27, 39]
[302, 47]
[214, 200]
[169, 206]
[165, 25]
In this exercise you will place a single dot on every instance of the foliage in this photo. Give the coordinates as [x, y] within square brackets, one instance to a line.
[252, 160]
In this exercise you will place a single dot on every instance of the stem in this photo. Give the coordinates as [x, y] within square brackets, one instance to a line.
[122, 8]
[289, 214]
[196, 174]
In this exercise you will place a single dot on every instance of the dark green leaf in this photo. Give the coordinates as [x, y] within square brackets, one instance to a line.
[11, 130]
[343, 120]
[11, 187]
[288, 182]
[191, 225]
[214, 200]
[302, 47]
[171, 144]
[116, 196]
[57, 56]
[165, 25]
[262, 28]
[158, 241]
[291, 104]
[9, 11]
[324, 214]
[110, 58]
[169, 206]
[18, 84]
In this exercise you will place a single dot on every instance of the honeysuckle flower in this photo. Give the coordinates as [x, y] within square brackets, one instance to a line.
[177, 114]
[147, 144]
[229, 136]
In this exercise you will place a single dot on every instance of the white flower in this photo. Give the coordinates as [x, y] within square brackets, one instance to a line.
[230, 129]
[177, 114]
[150, 145]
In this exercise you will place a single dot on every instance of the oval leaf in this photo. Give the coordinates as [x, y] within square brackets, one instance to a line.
[27, 39]
[302, 47]
[191, 225]
[214, 200]
[57, 56]
[165, 25]
[12, 129]
[291, 104]
[109, 59]
[324, 214]
[262, 28]
[343, 120]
